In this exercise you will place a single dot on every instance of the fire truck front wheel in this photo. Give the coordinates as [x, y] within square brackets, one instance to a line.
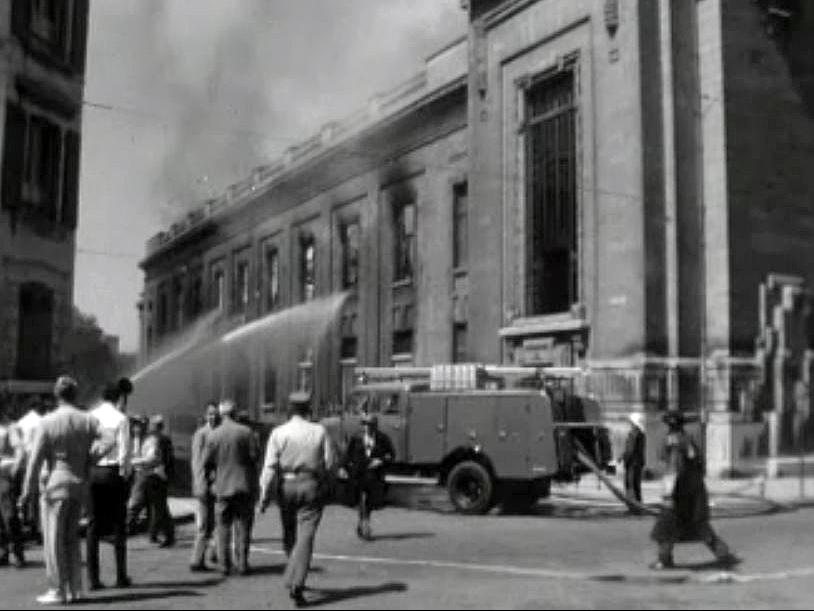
[471, 487]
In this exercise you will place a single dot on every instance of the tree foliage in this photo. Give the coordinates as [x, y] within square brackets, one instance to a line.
[87, 355]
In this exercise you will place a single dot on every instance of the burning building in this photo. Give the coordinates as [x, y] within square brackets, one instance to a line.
[622, 186]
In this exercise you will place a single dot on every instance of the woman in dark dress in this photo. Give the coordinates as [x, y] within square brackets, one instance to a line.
[685, 513]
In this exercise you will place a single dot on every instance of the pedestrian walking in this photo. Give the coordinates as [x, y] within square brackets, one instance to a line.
[12, 457]
[685, 513]
[156, 465]
[369, 453]
[299, 460]
[109, 489]
[634, 456]
[232, 451]
[67, 442]
[202, 489]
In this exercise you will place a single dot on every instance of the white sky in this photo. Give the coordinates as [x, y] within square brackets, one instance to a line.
[197, 92]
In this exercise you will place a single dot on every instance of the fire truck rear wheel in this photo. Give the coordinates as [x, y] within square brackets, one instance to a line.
[471, 487]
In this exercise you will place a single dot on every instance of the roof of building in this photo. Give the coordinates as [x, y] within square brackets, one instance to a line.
[442, 69]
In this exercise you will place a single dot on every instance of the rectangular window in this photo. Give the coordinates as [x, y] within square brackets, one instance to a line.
[459, 349]
[349, 236]
[41, 165]
[194, 304]
[177, 304]
[347, 369]
[269, 385]
[307, 268]
[404, 242]
[403, 341]
[551, 202]
[460, 233]
[217, 286]
[240, 287]
[163, 311]
[305, 376]
[272, 258]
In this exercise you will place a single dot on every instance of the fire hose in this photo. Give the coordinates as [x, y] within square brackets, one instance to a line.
[632, 504]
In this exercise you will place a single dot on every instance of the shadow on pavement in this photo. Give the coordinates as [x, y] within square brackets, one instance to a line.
[267, 569]
[127, 597]
[256, 540]
[325, 596]
[202, 583]
[403, 536]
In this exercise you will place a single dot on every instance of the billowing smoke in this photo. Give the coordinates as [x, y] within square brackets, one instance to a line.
[244, 80]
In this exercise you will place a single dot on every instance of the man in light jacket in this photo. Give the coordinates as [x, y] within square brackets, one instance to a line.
[68, 442]
[202, 482]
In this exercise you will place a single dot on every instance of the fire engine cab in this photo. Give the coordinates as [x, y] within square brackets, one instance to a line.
[488, 433]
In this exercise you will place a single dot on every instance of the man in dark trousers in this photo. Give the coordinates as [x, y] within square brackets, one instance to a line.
[107, 510]
[685, 513]
[233, 453]
[156, 467]
[202, 483]
[369, 453]
[633, 457]
[298, 463]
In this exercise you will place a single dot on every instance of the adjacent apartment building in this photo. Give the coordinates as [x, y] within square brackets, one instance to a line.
[41, 83]
[620, 186]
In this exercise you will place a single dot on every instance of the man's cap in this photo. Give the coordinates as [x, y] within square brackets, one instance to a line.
[370, 419]
[63, 383]
[299, 398]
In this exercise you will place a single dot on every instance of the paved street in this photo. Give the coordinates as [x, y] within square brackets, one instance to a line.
[569, 555]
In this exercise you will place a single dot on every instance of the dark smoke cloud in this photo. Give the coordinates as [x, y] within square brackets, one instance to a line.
[259, 75]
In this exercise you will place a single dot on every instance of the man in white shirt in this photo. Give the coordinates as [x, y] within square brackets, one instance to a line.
[299, 459]
[109, 489]
[28, 426]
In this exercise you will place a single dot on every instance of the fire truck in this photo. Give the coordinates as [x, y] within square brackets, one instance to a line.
[489, 434]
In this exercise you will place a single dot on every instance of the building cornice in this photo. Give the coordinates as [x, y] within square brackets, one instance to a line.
[445, 75]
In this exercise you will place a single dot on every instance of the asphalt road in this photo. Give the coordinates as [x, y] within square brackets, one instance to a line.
[564, 557]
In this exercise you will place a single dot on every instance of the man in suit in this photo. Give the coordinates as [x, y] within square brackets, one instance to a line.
[68, 441]
[109, 489]
[232, 451]
[369, 453]
[633, 457]
[202, 482]
[299, 460]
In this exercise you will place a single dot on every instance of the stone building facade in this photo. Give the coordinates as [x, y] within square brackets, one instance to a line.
[622, 178]
[42, 82]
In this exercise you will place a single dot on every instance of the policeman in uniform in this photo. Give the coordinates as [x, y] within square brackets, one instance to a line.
[299, 459]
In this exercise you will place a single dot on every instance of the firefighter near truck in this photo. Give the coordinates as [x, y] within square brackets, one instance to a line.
[489, 434]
